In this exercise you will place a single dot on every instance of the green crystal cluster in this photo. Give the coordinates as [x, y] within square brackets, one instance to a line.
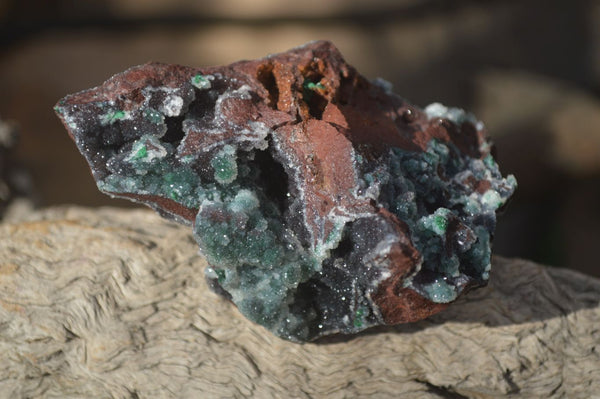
[431, 192]
[146, 169]
[255, 259]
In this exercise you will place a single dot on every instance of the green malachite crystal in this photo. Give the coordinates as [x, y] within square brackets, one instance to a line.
[323, 202]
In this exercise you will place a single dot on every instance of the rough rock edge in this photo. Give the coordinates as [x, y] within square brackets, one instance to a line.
[113, 303]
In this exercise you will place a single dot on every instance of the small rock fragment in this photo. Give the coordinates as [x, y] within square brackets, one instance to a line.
[324, 203]
[15, 180]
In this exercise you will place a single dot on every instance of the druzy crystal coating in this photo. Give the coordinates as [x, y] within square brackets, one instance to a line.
[323, 202]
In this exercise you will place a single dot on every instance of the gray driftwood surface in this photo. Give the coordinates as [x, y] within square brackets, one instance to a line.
[113, 304]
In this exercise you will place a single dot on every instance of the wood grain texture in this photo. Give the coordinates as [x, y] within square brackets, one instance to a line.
[113, 304]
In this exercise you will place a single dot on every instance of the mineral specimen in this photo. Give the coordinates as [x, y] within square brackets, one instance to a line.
[323, 202]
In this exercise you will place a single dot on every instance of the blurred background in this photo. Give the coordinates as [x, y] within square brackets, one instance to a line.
[530, 69]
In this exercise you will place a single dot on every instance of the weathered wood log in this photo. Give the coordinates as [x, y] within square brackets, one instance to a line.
[113, 304]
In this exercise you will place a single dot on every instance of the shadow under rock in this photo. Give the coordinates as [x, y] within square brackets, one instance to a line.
[519, 291]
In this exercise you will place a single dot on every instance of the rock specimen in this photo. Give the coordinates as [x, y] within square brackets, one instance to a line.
[322, 202]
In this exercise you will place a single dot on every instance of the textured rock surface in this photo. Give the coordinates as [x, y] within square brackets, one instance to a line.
[112, 304]
[323, 203]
